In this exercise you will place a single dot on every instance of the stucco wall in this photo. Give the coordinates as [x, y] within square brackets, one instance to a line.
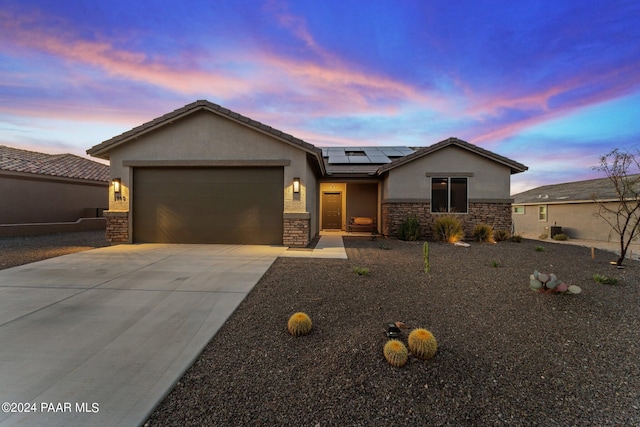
[578, 221]
[39, 199]
[486, 178]
[206, 136]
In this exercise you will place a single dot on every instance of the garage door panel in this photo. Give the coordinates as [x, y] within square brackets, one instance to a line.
[208, 205]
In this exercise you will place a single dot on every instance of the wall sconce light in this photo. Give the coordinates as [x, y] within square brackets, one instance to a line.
[117, 188]
[296, 185]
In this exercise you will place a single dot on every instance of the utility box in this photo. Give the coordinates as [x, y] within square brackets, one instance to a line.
[554, 229]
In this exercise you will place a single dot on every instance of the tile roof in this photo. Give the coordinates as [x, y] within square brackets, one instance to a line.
[513, 165]
[101, 150]
[577, 191]
[61, 165]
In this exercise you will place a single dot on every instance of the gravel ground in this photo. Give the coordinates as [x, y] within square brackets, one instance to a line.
[506, 355]
[16, 251]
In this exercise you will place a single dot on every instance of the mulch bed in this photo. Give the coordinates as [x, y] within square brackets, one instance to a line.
[506, 355]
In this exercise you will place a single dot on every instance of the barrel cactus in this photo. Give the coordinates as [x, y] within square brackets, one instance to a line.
[299, 324]
[422, 343]
[396, 353]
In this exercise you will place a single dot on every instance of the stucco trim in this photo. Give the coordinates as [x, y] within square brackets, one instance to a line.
[51, 178]
[491, 201]
[448, 174]
[296, 215]
[417, 200]
[207, 163]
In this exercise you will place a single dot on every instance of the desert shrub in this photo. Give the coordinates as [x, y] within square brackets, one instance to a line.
[299, 324]
[501, 235]
[422, 343]
[483, 233]
[495, 264]
[447, 228]
[396, 353]
[517, 238]
[539, 249]
[560, 236]
[604, 280]
[409, 229]
[361, 271]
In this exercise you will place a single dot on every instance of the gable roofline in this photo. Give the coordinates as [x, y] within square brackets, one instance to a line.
[102, 150]
[514, 166]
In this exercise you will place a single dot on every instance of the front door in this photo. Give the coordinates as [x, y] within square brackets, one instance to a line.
[332, 211]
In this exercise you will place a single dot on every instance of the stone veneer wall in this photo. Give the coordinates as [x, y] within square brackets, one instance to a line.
[497, 215]
[296, 232]
[117, 226]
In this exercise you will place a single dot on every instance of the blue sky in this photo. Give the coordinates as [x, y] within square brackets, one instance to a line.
[551, 84]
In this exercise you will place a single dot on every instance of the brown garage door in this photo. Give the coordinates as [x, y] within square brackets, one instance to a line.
[208, 205]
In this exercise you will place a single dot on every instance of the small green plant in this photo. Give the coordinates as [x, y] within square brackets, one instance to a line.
[299, 324]
[539, 249]
[483, 233]
[550, 284]
[422, 343]
[361, 271]
[501, 235]
[447, 228]
[604, 280]
[384, 246]
[517, 238]
[409, 229]
[495, 264]
[561, 237]
[396, 353]
[425, 255]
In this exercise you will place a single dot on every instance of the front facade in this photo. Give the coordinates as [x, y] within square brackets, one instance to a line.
[204, 174]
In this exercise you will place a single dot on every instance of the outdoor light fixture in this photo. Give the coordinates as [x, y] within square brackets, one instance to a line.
[117, 187]
[296, 185]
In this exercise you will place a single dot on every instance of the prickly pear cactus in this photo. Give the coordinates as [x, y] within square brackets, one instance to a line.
[549, 283]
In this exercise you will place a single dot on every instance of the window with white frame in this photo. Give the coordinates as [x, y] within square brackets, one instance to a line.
[449, 195]
[542, 212]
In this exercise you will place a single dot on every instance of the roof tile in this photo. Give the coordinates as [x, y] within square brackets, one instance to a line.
[62, 165]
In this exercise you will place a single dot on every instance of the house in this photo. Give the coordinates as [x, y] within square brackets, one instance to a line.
[39, 188]
[568, 208]
[205, 174]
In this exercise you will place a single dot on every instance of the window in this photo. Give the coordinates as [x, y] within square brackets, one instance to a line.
[449, 195]
[518, 210]
[542, 213]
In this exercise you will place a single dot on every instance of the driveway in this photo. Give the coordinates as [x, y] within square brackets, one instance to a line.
[99, 337]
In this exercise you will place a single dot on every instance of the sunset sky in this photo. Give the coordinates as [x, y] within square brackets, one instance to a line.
[551, 84]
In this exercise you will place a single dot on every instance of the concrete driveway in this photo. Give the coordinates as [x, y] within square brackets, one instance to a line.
[98, 338]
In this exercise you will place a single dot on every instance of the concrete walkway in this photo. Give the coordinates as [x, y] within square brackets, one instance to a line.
[98, 338]
[329, 246]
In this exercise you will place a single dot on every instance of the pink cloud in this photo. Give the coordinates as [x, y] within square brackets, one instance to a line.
[333, 88]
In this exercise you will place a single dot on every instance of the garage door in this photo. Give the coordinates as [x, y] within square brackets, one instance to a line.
[208, 205]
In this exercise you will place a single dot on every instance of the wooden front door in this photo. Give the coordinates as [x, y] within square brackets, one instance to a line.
[332, 211]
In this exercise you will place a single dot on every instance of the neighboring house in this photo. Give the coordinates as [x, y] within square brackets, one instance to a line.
[205, 174]
[570, 206]
[50, 188]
